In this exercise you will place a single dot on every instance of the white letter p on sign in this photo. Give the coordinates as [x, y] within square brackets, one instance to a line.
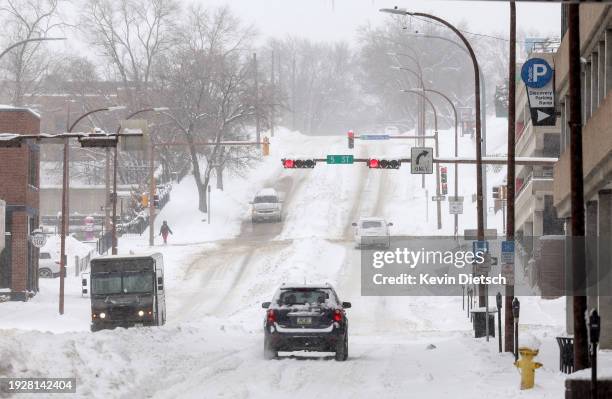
[539, 70]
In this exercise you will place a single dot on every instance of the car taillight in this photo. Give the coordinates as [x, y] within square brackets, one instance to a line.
[271, 316]
[337, 315]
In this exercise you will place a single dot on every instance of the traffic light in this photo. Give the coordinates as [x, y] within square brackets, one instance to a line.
[374, 163]
[265, 148]
[144, 200]
[444, 189]
[156, 201]
[298, 163]
[496, 192]
[351, 139]
[444, 174]
[111, 197]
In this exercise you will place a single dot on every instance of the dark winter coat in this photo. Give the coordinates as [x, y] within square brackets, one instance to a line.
[165, 229]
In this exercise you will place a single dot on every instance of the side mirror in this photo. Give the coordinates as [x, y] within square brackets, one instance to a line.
[160, 280]
[346, 305]
[354, 224]
[84, 291]
[84, 282]
[265, 305]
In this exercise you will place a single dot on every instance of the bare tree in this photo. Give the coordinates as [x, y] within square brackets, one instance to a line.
[211, 87]
[26, 64]
[133, 35]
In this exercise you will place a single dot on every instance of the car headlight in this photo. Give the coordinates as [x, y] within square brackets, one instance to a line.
[141, 313]
[102, 315]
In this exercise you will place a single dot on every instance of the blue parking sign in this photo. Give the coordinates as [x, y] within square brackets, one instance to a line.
[536, 73]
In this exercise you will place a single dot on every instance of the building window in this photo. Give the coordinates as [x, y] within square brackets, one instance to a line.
[33, 161]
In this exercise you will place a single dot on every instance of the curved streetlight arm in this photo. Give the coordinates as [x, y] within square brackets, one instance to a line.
[22, 42]
[415, 73]
[420, 93]
[479, 171]
[85, 115]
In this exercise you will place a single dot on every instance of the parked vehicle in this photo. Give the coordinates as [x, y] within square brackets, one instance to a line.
[266, 206]
[47, 266]
[127, 291]
[306, 318]
[372, 232]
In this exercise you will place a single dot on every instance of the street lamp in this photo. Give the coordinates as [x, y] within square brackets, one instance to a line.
[115, 161]
[479, 188]
[444, 96]
[483, 102]
[65, 193]
[421, 94]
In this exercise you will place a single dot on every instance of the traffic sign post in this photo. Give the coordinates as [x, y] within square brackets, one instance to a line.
[455, 205]
[538, 76]
[421, 162]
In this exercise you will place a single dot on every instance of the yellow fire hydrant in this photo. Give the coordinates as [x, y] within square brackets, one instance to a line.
[527, 367]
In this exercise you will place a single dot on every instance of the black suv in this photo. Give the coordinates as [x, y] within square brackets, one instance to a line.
[306, 318]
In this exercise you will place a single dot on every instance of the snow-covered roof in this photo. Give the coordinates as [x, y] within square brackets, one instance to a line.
[371, 219]
[266, 191]
[134, 256]
[290, 286]
[6, 107]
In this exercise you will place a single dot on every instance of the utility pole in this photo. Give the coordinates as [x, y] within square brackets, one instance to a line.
[151, 204]
[508, 318]
[272, 90]
[581, 358]
[293, 102]
[257, 120]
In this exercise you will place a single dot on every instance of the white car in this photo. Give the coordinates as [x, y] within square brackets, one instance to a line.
[47, 266]
[372, 232]
[266, 206]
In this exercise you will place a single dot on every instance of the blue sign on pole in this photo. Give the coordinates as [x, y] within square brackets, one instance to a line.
[536, 73]
[374, 137]
[507, 252]
[480, 246]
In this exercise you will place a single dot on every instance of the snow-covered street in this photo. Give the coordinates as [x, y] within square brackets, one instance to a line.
[218, 274]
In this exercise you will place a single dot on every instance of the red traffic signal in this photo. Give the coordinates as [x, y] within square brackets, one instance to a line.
[351, 139]
[384, 164]
[299, 163]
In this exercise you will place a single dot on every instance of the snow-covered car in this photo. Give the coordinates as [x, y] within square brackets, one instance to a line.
[372, 232]
[306, 317]
[47, 266]
[266, 206]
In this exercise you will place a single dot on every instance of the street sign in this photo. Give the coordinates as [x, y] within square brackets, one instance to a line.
[38, 238]
[507, 252]
[340, 159]
[438, 198]
[374, 137]
[455, 207]
[480, 246]
[421, 162]
[538, 76]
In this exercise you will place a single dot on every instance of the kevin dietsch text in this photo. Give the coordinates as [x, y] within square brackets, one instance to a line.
[428, 279]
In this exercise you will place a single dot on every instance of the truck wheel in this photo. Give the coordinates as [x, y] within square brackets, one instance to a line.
[342, 349]
[269, 351]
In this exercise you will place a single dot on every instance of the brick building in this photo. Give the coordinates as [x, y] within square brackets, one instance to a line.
[19, 187]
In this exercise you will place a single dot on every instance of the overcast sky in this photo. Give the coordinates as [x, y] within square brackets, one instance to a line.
[318, 20]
